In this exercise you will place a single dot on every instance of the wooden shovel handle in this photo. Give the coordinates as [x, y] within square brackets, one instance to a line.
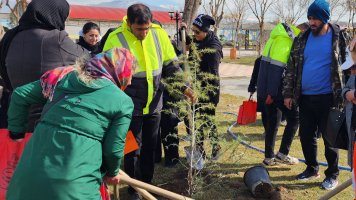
[154, 189]
[143, 192]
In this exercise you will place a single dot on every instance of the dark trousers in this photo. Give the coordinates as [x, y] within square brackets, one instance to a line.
[140, 163]
[169, 137]
[207, 117]
[273, 116]
[314, 111]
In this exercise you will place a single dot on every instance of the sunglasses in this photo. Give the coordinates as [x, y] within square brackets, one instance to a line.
[196, 32]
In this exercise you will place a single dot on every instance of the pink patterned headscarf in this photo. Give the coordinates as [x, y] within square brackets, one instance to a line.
[115, 64]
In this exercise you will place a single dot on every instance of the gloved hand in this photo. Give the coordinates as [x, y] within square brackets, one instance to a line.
[18, 137]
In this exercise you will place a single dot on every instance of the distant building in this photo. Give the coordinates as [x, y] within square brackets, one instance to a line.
[107, 18]
[247, 34]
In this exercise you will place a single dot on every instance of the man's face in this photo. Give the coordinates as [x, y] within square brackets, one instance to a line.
[315, 25]
[140, 31]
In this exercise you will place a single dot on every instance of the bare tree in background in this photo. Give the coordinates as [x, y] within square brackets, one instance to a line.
[337, 9]
[190, 12]
[237, 14]
[216, 10]
[290, 11]
[350, 6]
[259, 8]
[16, 10]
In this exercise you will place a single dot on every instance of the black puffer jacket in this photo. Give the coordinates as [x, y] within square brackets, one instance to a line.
[210, 62]
[93, 49]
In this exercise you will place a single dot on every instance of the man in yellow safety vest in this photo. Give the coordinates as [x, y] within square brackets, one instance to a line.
[151, 46]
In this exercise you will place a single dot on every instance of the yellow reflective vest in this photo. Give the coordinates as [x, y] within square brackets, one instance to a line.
[274, 60]
[153, 54]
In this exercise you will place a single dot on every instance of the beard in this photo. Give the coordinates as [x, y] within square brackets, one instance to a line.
[316, 30]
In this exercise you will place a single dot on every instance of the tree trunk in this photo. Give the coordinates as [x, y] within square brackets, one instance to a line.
[261, 38]
[190, 12]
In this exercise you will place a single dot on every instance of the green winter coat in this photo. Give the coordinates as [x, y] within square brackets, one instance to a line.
[80, 138]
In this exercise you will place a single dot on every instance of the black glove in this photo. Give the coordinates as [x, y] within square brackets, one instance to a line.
[16, 136]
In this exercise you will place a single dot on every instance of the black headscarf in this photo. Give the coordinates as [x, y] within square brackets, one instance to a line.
[42, 14]
[93, 49]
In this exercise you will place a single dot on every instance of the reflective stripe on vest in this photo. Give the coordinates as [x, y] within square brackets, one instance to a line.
[123, 40]
[273, 62]
[149, 73]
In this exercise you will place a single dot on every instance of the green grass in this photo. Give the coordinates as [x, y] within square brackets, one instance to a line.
[224, 179]
[245, 60]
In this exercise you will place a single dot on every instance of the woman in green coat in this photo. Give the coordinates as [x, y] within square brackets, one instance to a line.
[81, 135]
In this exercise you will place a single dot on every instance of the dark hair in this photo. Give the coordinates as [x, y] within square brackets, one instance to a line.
[139, 14]
[90, 25]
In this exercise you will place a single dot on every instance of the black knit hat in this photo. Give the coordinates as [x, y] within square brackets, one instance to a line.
[203, 22]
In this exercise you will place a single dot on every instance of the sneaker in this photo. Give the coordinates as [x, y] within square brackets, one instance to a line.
[286, 159]
[307, 175]
[329, 183]
[270, 161]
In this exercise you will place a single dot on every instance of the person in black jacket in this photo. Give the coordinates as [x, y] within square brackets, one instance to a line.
[90, 38]
[38, 44]
[206, 39]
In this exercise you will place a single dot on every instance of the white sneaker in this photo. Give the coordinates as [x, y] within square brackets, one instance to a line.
[270, 162]
[286, 159]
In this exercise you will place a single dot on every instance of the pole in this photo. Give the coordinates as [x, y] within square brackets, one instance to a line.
[177, 19]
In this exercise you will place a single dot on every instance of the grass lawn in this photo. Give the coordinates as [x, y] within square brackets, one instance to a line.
[244, 60]
[223, 179]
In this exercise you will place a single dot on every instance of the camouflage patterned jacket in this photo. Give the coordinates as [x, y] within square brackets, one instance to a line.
[293, 74]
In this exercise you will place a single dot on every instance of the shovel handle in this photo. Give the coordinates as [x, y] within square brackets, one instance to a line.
[154, 189]
[143, 192]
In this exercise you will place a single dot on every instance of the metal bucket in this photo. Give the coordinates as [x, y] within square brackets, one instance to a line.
[257, 180]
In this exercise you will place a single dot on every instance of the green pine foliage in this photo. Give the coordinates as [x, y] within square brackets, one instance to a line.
[200, 83]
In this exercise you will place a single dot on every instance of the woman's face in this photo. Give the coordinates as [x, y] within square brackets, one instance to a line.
[92, 37]
[198, 34]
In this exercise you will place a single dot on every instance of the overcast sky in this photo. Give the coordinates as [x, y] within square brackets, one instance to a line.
[177, 4]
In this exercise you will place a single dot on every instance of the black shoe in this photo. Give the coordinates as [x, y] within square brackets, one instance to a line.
[307, 175]
[135, 196]
[170, 163]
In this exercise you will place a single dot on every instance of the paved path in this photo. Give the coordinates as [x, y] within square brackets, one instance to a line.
[234, 70]
[235, 79]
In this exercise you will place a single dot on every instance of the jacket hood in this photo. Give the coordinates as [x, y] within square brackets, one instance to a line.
[71, 84]
[280, 31]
